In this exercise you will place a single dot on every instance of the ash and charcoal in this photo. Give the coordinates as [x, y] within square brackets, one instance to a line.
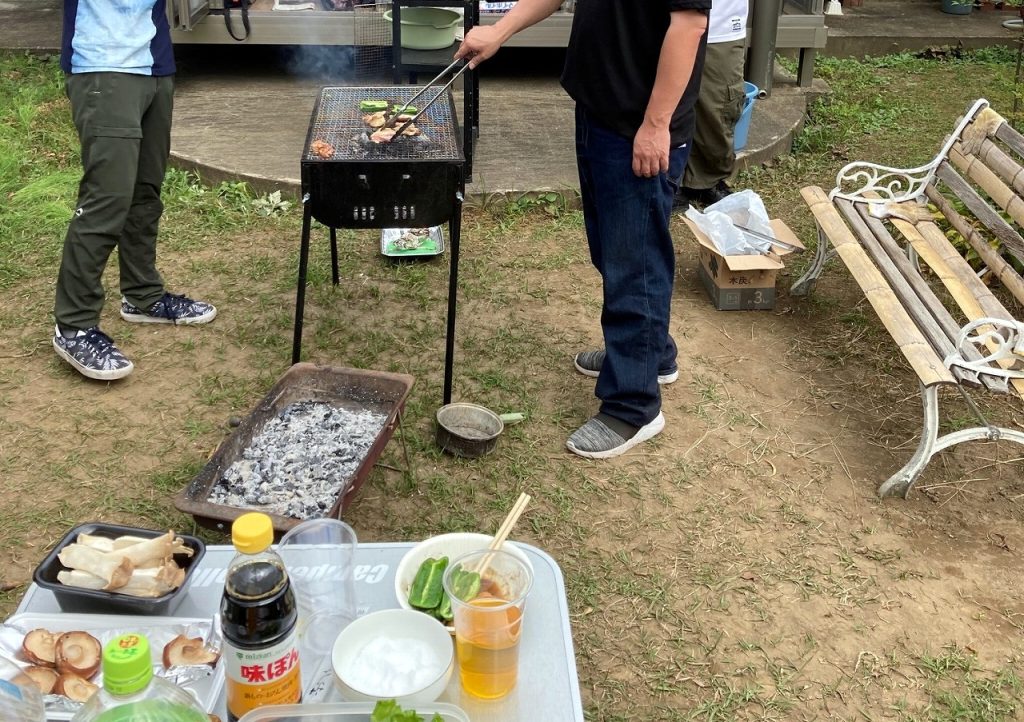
[362, 146]
[301, 462]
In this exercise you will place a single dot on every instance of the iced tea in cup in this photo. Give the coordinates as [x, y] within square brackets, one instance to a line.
[488, 591]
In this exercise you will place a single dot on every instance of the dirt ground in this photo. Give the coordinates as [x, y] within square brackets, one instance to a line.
[739, 567]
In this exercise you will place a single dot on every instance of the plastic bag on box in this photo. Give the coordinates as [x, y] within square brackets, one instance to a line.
[719, 221]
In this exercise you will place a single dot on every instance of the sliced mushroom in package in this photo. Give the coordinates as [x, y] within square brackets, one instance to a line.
[203, 681]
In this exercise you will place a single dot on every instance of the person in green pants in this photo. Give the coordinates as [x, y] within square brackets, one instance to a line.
[718, 107]
[120, 81]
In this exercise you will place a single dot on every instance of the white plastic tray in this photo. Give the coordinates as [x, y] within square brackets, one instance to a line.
[345, 712]
[205, 684]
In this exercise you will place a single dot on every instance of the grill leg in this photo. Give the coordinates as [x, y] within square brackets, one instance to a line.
[300, 291]
[334, 255]
[454, 231]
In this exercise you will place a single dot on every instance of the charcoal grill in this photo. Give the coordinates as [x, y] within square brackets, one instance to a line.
[412, 181]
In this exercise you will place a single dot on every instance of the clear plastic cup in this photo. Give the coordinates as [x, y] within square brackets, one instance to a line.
[488, 619]
[318, 555]
[19, 697]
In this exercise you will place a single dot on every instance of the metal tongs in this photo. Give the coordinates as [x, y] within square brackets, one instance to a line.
[763, 237]
[394, 118]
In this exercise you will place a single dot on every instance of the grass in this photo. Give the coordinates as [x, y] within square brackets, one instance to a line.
[737, 569]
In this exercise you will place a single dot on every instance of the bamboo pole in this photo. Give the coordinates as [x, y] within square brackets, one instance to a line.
[989, 181]
[981, 210]
[1002, 270]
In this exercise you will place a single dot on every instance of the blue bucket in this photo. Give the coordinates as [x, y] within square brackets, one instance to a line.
[743, 124]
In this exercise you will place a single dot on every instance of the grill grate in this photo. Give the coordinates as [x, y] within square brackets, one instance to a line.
[337, 120]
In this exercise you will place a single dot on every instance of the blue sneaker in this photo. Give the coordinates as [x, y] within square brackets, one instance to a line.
[92, 353]
[171, 308]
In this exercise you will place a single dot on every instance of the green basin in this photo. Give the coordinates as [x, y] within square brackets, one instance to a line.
[427, 28]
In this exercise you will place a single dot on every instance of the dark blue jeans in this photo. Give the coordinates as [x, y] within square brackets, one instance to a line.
[627, 222]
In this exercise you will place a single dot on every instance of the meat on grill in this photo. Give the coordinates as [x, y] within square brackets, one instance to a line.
[322, 149]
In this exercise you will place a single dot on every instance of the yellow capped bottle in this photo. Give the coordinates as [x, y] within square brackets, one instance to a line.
[258, 616]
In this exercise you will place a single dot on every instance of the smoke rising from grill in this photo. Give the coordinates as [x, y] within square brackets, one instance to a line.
[327, 64]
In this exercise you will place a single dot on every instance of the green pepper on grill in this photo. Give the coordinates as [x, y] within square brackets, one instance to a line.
[373, 106]
[426, 592]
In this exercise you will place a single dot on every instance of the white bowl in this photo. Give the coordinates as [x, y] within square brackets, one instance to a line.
[443, 545]
[378, 628]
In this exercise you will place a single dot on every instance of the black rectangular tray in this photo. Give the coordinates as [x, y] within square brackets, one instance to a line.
[353, 389]
[76, 599]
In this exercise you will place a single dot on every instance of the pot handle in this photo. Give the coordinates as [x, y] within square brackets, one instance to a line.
[510, 419]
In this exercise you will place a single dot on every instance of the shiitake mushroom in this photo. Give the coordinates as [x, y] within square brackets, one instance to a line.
[38, 646]
[77, 653]
[183, 651]
[42, 677]
[74, 687]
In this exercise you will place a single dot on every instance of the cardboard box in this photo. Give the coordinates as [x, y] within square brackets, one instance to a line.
[742, 283]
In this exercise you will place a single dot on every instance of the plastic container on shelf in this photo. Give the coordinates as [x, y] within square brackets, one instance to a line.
[19, 698]
[742, 129]
[132, 693]
[345, 712]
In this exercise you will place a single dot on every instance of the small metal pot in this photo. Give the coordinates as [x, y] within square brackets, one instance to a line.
[468, 429]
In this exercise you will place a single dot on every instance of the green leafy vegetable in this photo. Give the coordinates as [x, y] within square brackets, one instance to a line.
[388, 710]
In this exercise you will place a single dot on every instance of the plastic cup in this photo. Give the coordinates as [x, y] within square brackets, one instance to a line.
[488, 625]
[318, 555]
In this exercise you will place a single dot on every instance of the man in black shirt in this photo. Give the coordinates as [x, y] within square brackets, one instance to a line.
[633, 67]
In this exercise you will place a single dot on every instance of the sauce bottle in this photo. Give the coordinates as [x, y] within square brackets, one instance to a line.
[131, 693]
[258, 616]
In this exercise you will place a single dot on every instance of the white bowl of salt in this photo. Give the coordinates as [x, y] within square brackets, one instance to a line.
[393, 654]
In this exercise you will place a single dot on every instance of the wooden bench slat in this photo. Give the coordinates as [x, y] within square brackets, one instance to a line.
[973, 297]
[906, 291]
[989, 181]
[914, 346]
[1011, 137]
[981, 210]
[934, 320]
[989, 256]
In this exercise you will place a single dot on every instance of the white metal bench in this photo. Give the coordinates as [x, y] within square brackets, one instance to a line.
[977, 184]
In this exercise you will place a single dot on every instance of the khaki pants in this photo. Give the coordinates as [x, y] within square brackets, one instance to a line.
[718, 108]
[124, 125]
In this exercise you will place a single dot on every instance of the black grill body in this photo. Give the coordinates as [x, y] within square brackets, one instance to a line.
[385, 194]
[409, 182]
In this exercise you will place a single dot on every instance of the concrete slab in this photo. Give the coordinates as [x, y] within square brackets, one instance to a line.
[30, 24]
[880, 27]
[526, 140]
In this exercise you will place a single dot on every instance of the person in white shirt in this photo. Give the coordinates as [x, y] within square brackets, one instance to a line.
[718, 106]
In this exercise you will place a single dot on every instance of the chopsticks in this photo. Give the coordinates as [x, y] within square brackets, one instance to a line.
[503, 531]
[433, 100]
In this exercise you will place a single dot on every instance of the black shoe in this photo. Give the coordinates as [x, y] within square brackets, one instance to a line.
[686, 197]
[701, 197]
[716, 193]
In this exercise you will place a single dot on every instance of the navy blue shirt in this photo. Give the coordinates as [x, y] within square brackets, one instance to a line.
[612, 62]
[119, 36]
